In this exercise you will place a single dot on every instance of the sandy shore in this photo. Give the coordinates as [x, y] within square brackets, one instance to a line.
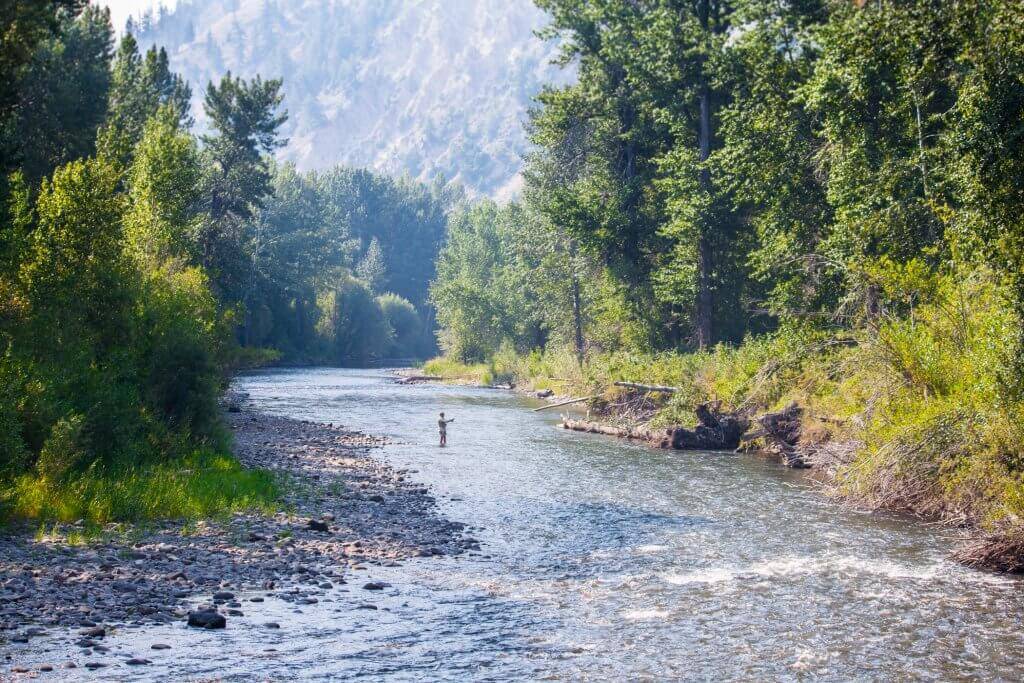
[345, 510]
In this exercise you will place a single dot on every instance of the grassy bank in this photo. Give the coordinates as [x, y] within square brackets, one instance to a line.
[202, 485]
[909, 413]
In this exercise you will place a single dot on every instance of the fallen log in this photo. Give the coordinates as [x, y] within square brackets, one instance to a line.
[781, 432]
[564, 403]
[418, 378]
[661, 440]
[647, 387]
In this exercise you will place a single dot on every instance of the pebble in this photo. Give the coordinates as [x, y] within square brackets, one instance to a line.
[383, 518]
[160, 646]
[138, 661]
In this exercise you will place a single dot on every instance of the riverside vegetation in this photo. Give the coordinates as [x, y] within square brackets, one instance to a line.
[141, 265]
[760, 202]
[770, 202]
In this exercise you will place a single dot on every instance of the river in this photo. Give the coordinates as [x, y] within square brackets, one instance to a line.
[605, 560]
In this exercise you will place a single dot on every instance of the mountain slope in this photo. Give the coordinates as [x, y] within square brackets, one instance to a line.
[402, 86]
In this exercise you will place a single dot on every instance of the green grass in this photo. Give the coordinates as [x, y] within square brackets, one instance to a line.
[453, 371]
[202, 485]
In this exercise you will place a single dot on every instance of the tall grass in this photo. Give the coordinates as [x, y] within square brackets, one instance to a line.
[201, 485]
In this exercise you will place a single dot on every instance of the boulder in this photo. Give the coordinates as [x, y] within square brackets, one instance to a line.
[208, 619]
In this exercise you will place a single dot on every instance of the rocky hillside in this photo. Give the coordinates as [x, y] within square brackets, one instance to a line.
[417, 86]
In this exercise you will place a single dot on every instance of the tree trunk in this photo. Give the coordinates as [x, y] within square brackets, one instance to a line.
[704, 256]
[577, 312]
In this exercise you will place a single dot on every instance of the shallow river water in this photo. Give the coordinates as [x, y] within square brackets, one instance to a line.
[612, 561]
[604, 560]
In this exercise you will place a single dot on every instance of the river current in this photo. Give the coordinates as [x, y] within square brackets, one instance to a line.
[603, 560]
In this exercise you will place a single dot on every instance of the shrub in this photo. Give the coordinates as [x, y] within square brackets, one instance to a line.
[64, 449]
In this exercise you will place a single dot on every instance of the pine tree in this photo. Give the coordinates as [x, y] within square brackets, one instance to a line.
[245, 123]
[139, 88]
[371, 269]
[63, 94]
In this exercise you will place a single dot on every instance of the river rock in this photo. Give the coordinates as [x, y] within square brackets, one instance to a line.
[207, 619]
[317, 525]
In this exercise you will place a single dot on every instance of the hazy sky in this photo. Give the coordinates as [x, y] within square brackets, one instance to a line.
[120, 9]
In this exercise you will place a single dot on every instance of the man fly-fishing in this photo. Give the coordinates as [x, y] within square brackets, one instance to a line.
[442, 425]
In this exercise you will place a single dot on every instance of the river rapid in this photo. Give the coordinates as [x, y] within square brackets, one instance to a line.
[604, 560]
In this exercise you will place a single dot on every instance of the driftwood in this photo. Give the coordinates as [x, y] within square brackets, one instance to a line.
[647, 387]
[717, 430]
[661, 440]
[408, 379]
[564, 403]
[781, 433]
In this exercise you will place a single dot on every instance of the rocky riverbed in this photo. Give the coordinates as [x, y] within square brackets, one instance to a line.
[344, 512]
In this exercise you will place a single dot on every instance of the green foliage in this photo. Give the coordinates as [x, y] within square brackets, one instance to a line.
[371, 268]
[406, 219]
[408, 339]
[63, 98]
[244, 121]
[352, 327]
[139, 88]
[63, 449]
[24, 26]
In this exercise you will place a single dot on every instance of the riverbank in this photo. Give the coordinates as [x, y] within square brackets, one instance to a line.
[910, 416]
[342, 511]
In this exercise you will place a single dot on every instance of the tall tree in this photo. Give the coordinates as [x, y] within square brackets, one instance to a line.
[245, 124]
[24, 25]
[139, 87]
[61, 103]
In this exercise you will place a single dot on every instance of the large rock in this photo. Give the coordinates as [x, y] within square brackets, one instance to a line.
[209, 619]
